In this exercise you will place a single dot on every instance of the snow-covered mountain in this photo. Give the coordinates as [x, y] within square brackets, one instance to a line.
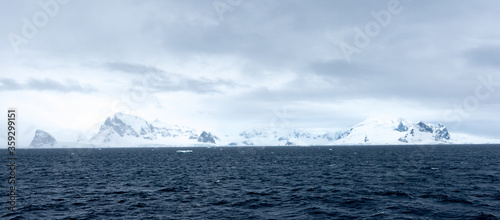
[282, 137]
[124, 130]
[43, 139]
[395, 131]
[373, 131]
[207, 138]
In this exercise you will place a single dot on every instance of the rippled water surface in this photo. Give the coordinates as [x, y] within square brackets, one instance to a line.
[376, 182]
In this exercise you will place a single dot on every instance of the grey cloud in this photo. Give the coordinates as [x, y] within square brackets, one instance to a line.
[8, 84]
[167, 82]
[157, 80]
[426, 89]
[341, 69]
[202, 85]
[44, 85]
[271, 33]
[131, 68]
[484, 56]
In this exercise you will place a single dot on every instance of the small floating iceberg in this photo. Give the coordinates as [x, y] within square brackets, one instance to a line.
[184, 151]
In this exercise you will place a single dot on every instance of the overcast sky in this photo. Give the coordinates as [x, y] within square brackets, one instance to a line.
[229, 65]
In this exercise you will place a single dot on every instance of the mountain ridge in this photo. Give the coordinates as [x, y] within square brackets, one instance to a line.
[125, 130]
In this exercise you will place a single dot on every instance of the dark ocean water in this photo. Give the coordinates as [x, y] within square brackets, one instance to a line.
[370, 182]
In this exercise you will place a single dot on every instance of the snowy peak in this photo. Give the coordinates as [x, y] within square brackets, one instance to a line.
[395, 131]
[207, 138]
[122, 125]
[402, 127]
[123, 130]
[129, 125]
[43, 139]
[425, 132]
